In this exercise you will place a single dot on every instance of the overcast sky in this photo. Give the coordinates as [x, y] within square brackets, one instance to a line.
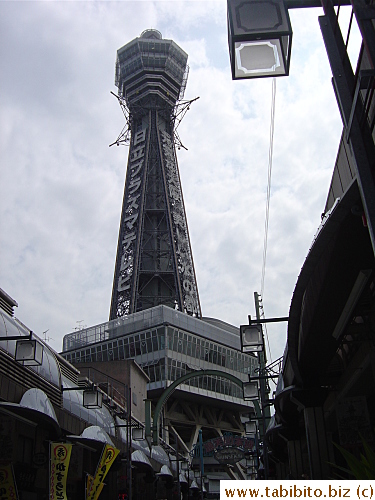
[61, 186]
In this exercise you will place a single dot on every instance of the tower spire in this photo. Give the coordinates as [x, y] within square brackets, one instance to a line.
[154, 263]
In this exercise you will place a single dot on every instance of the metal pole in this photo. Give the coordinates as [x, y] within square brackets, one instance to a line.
[262, 383]
[188, 481]
[201, 460]
[178, 467]
[128, 442]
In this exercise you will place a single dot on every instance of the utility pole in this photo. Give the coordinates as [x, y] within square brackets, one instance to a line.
[129, 440]
[201, 460]
[262, 357]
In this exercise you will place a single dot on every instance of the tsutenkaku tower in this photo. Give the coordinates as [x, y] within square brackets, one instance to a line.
[154, 263]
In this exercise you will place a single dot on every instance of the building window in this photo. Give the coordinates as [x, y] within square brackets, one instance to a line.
[161, 338]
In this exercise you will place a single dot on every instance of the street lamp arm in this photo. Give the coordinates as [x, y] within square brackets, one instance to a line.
[302, 4]
[18, 337]
[78, 388]
[268, 320]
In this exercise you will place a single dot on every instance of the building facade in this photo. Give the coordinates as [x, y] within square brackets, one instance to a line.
[168, 344]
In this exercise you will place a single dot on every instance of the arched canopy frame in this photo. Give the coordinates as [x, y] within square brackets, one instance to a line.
[154, 432]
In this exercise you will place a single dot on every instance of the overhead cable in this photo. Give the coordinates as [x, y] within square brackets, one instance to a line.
[270, 158]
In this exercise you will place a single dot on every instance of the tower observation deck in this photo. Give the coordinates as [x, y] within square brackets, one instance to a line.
[154, 263]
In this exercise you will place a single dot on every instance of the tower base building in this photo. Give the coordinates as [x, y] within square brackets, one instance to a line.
[168, 344]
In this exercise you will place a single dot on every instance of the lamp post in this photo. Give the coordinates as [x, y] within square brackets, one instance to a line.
[201, 459]
[134, 431]
[185, 466]
[138, 436]
[252, 340]
[254, 390]
[168, 429]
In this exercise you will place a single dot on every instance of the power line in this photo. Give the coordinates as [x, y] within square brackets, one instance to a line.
[270, 158]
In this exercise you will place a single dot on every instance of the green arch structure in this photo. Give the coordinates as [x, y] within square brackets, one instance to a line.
[154, 432]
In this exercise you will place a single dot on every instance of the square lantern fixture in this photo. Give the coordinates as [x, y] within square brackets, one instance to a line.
[184, 465]
[137, 433]
[29, 352]
[250, 391]
[251, 338]
[259, 37]
[92, 398]
[251, 427]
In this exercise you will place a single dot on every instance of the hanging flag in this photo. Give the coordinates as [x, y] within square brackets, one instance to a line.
[89, 483]
[59, 465]
[109, 455]
[8, 488]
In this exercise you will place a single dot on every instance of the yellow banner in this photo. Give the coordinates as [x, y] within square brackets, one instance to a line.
[59, 465]
[109, 455]
[89, 483]
[7, 484]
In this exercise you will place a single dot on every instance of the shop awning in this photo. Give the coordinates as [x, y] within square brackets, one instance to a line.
[139, 459]
[165, 472]
[35, 408]
[93, 437]
[159, 455]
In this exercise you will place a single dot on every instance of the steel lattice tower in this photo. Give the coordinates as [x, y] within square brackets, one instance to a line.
[154, 263]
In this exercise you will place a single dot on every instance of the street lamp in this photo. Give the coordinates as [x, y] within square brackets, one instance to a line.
[251, 338]
[259, 37]
[92, 398]
[251, 427]
[250, 391]
[29, 351]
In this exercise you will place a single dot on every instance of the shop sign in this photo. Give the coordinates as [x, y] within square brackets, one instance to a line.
[109, 455]
[229, 455]
[59, 465]
[227, 440]
[8, 490]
